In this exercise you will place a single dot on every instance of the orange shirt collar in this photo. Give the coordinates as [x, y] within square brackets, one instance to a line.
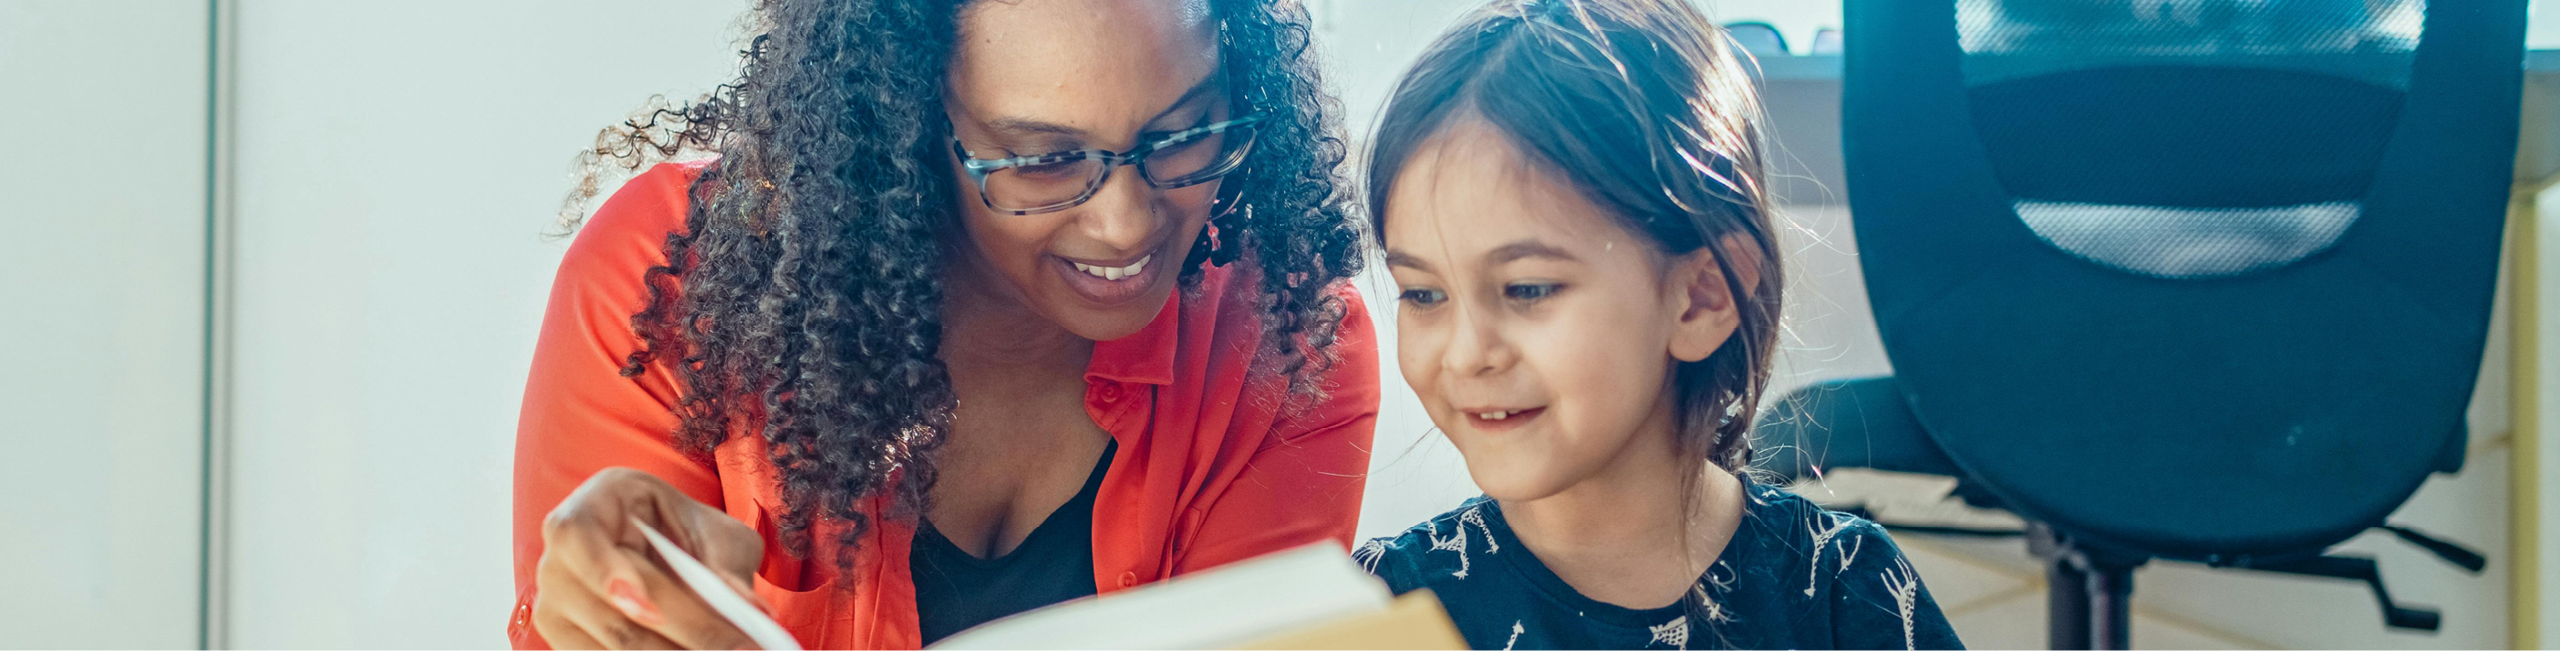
[1143, 357]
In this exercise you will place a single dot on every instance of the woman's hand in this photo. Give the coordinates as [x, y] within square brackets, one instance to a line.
[598, 588]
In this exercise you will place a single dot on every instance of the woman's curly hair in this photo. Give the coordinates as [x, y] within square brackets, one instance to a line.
[802, 301]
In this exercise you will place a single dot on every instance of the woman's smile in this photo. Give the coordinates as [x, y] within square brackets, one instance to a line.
[1110, 282]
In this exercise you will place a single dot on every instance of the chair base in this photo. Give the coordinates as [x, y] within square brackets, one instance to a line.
[1868, 423]
[2088, 591]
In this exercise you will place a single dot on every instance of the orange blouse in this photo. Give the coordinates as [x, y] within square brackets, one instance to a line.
[1209, 471]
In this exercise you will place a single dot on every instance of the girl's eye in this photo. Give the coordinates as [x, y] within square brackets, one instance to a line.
[1422, 297]
[1530, 291]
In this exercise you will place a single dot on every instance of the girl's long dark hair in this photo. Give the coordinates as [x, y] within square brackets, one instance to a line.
[1644, 108]
[802, 302]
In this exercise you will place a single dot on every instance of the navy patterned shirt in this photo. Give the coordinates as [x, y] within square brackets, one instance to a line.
[1795, 576]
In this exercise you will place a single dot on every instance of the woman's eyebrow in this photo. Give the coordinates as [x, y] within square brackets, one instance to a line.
[1215, 81]
[1021, 127]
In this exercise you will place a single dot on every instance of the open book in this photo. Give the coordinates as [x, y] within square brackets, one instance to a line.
[1311, 597]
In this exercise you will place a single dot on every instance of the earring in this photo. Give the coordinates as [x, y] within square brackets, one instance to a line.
[1217, 243]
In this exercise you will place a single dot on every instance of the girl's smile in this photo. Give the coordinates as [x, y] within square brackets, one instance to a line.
[1497, 420]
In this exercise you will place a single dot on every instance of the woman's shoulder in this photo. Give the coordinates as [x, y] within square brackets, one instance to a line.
[1234, 301]
[587, 333]
[1223, 338]
[628, 232]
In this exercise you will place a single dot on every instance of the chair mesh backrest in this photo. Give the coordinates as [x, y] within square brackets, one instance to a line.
[2285, 104]
[2123, 253]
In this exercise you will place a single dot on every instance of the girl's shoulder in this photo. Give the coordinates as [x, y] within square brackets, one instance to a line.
[1796, 556]
[1791, 517]
[1404, 561]
[1785, 529]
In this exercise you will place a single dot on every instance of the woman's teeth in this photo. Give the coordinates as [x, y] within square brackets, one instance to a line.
[1114, 273]
[1495, 415]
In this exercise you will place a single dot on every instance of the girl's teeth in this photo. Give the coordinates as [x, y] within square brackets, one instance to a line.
[1114, 273]
[1497, 415]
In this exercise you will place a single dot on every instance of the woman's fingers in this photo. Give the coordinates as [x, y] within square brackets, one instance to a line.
[582, 533]
[571, 617]
[555, 628]
[686, 619]
[648, 608]
[728, 547]
[600, 576]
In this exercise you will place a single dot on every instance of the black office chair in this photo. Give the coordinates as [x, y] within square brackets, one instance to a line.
[2197, 280]
[1758, 38]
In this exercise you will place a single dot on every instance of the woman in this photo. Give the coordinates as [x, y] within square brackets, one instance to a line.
[981, 306]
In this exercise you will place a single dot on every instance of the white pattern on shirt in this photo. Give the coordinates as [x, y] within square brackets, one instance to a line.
[1674, 633]
[1904, 583]
[1454, 543]
[1369, 554]
[1822, 536]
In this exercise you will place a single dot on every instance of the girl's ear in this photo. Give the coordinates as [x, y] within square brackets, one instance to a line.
[1708, 314]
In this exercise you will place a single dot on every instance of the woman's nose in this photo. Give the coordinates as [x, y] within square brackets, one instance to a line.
[1122, 213]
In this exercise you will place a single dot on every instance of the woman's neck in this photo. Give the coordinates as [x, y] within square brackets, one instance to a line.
[1640, 531]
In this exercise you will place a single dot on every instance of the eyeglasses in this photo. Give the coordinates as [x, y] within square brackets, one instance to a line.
[1029, 185]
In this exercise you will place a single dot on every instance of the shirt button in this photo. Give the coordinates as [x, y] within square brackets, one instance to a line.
[1110, 392]
[1128, 579]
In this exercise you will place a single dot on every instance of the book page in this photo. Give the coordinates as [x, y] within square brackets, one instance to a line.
[1222, 607]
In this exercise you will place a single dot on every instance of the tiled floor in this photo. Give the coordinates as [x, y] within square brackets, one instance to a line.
[1993, 591]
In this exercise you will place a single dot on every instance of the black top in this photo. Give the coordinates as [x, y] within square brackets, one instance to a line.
[955, 590]
[1794, 577]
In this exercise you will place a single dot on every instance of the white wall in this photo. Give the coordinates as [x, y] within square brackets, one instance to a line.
[102, 301]
[398, 165]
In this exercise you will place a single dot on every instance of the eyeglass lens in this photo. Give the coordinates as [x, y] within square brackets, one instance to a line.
[1172, 164]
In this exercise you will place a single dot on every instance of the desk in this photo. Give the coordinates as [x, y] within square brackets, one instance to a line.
[2537, 169]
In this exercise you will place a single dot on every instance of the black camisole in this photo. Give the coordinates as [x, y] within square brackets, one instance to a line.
[955, 590]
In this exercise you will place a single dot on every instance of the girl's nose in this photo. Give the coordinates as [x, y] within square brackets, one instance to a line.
[1477, 347]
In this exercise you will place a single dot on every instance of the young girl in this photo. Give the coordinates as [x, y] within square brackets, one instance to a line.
[1548, 182]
